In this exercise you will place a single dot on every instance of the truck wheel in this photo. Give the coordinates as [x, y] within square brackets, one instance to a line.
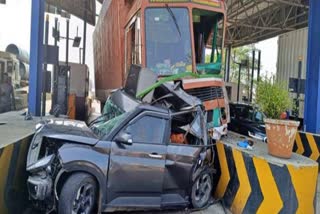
[201, 190]
[78, 195]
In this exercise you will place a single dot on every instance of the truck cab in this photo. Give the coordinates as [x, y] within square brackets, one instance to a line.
[9, 64]
[171, 38]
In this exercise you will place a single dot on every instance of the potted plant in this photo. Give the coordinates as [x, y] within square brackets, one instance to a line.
[273, 99]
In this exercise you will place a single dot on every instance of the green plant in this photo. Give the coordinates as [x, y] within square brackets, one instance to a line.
[272, 98]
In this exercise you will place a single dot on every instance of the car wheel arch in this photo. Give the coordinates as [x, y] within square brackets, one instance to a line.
[90, 169]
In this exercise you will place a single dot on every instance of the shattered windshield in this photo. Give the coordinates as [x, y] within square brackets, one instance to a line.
[105, 127]
[168, 40]
[112, 116]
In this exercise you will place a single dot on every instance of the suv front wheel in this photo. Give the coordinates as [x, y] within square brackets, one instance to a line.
[78, 195]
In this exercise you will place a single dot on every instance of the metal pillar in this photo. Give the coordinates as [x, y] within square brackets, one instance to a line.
[84, 35]
[55, 70]
[252, 74]
[36, 54]
[67, 42]
[227, 79]
[239, 82]
[296, 112]
[259, 65]
[44, 92]
[312, 94]
[225, 65]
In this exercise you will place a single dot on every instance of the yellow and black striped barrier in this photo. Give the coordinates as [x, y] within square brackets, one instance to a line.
[13, 177]
[308, 145]
[254, 182]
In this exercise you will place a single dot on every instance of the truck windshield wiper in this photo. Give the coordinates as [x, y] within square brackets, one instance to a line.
[174, 19]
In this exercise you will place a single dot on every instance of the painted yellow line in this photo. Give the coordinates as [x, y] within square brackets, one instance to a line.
[244, 190]
[272, 202]
[314, 148]
[301, 177]
[4, 168]
[299, 144]
[225, 175]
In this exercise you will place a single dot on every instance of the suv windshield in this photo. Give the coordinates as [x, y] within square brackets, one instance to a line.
[168, 40]
[104, 127]
[112, 116]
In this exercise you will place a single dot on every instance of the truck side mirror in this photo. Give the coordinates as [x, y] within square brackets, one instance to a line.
[124, 138]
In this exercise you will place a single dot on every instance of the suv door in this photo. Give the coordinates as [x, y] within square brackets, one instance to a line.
[136, 171]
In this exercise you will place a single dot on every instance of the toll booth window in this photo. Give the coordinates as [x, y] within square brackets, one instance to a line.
[168, 40]
[9, 67]
[133, 42]
[208, 32]
[1, 69]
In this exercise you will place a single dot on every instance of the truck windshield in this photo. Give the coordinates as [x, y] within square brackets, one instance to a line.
[168, 40]
[208, 39]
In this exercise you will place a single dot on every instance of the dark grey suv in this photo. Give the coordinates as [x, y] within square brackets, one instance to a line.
[134, 157]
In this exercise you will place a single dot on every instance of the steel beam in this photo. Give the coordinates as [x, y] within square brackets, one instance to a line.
[312, 96]
[36, 54]
[228, 60]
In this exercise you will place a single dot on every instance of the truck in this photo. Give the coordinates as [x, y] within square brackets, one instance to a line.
[17, 72]
[9, 64]
[182, 39]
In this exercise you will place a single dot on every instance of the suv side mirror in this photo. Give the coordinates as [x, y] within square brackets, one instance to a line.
[124, 138]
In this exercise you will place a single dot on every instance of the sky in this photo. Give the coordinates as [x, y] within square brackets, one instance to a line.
[15, 19]
[269, 55]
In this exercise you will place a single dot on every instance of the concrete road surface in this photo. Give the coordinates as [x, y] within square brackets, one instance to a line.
[218, 209]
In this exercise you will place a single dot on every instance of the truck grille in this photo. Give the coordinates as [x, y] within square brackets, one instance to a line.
[207, 93]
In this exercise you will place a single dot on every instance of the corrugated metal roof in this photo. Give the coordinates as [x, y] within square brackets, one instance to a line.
[251, 21]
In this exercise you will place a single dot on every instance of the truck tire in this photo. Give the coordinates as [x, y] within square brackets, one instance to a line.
[201, 190]
[78, 195]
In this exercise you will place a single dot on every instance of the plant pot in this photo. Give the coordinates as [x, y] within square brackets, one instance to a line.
[281, 135]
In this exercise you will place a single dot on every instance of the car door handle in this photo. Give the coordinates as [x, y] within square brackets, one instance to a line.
[154, 155]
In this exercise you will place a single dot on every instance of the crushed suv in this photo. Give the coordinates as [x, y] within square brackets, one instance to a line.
[136, 156]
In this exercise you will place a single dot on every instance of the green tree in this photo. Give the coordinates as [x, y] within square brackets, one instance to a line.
[238, 55]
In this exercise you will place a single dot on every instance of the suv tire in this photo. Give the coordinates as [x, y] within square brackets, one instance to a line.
[78, 194]
[201, 190]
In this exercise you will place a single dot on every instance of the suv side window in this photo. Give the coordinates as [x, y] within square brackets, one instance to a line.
[147, 129]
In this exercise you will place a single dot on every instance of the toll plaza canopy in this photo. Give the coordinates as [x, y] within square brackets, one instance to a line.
[251, 21]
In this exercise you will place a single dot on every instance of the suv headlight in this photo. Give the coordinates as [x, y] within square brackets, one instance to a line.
[34, 149]
[41, 164]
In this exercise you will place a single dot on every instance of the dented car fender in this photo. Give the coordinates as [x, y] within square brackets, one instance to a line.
[84, 158]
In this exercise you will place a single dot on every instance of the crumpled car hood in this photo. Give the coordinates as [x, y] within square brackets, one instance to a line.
[69, 130]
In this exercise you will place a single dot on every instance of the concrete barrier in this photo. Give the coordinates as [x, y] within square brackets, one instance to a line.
[16, 135]
[254, 182]
[13, 177]
[308, 145]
